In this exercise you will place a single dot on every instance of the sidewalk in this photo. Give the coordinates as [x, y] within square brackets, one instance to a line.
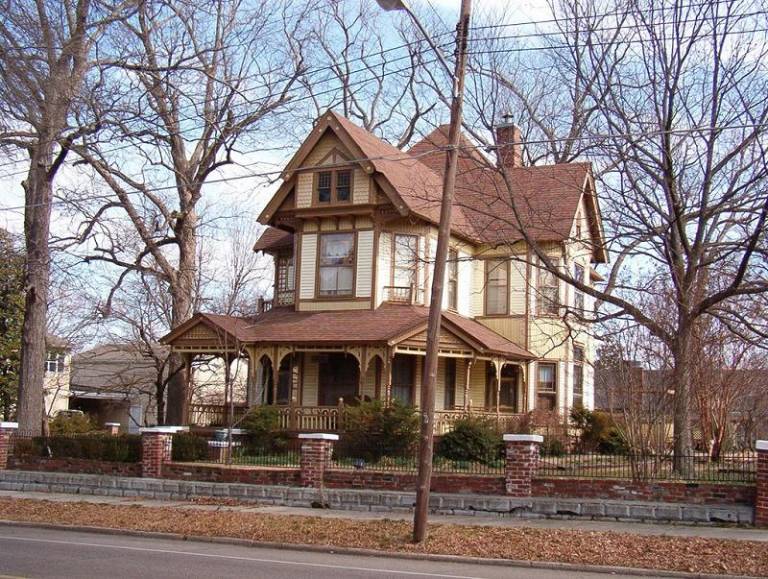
[707, 532]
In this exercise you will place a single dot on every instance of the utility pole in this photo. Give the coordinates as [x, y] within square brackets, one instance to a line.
[429, 378]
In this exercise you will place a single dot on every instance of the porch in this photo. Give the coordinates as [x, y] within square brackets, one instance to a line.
[311, 366]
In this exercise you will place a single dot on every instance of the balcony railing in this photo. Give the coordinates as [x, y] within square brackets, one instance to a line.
[214, 414]
[404, 295]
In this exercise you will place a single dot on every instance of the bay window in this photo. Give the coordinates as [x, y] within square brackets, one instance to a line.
[336, 265]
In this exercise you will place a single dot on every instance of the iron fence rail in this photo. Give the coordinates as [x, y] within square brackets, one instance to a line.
[738, 467]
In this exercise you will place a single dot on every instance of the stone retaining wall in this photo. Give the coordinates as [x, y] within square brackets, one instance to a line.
[223, 473]
[662, 491]
[375, 501]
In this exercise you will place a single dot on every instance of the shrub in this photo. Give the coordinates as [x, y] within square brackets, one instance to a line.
[472, 439]
[71, 424]
[188, 447]
[263, 426]
[372, 430]
[123, 448]
[598, 431]
[552, 446]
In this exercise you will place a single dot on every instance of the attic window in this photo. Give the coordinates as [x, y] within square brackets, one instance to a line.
[334, 186]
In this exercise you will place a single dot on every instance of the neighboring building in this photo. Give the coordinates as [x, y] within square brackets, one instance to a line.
[118, 383]
[56, 379]
[353, 232]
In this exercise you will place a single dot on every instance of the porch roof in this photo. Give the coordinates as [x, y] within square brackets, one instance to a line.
[389, 323]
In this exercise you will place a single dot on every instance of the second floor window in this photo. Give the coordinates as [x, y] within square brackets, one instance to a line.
[54, 362]
[578, 376]
[336, 265]
[496, 287]
[548, 294]
[578, 295]
[453, 279]
[334, 186]
[284, 279]
[406, 252]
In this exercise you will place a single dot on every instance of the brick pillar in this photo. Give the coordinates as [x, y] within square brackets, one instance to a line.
[761, 503]
[113, 428]
[156, 448]
[6, 430]
[316, 451]
[522, 462]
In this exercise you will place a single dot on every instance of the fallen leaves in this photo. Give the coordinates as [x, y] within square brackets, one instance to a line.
[697, 555]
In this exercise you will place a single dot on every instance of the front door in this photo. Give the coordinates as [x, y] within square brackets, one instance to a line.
[338, 377]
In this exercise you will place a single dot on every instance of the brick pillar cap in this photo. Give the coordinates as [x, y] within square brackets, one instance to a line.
[318, 436]
[9, 425]
[111, 424]
[761, 445]
[164, 429]
[524, 438]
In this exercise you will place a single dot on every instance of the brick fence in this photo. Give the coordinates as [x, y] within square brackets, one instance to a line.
[315, 471]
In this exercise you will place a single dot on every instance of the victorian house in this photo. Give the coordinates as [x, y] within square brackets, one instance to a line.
[353, 230]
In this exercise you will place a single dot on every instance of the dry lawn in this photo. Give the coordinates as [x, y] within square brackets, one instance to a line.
[568, 546]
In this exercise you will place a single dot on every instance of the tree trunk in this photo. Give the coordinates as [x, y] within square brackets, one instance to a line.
[37, 219]
[182, 294]
[682, 414]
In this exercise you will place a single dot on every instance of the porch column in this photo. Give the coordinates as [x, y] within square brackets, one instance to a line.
[187, 360]
[497, 366]
[388, 378]
[467, 383]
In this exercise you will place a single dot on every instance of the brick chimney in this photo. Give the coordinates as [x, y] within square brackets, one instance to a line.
[509, 143]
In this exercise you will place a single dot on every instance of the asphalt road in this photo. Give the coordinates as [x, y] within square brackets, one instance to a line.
[27, 552]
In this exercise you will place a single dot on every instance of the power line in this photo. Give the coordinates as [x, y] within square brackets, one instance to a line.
[426, 49]
[405, 156]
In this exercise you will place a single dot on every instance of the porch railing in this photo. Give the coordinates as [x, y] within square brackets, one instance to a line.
[326, 419]
[306, 418]
[213, 414]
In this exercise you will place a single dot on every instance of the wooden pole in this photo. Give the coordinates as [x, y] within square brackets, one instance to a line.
[429, 378]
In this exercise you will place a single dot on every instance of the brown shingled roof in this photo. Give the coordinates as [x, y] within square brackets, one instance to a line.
[387, 323]
[273, 239]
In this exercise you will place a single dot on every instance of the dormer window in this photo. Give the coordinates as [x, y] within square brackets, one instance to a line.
[334, 186]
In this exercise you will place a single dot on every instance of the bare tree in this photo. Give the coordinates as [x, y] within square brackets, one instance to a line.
[683, 172]
[197, 80]
[46, 51]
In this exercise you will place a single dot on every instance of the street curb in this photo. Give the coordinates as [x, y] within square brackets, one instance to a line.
[608, 570]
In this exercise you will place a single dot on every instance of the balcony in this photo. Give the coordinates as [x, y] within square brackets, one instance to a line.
[411, 295]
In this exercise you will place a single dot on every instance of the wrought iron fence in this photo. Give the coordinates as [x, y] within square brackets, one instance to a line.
[87, 446]
[388, 455]
[242, 450]
[738, 467]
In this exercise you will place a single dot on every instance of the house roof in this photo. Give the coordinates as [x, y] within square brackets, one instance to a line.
[489, 207]
[274, 239]
[389, 323]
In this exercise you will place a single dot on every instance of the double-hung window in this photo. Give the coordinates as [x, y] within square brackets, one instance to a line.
[548, 293]
[546, 386]
[334, 186]
[54, 362]
[578, 295]
[336, 267]
[496, 287]
[453, 279]
[578, 376]
[406, 253]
